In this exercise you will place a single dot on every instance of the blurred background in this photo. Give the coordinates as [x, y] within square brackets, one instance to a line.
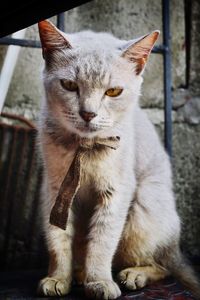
[21, 237]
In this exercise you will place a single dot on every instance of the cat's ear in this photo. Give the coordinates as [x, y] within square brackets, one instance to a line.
[138, 51]
[51, 37]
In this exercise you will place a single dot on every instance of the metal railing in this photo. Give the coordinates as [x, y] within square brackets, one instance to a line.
[163, 49]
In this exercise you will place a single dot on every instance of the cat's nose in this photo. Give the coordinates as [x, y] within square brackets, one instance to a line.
[87, 116]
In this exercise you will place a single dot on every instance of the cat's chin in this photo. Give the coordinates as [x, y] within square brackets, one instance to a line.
[85, 132]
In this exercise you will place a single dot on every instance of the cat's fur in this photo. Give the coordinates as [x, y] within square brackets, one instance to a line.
[124, 216]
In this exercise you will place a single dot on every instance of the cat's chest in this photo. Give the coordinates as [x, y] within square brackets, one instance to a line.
[99, 169]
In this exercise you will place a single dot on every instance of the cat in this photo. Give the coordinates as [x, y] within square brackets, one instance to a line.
[123, 216]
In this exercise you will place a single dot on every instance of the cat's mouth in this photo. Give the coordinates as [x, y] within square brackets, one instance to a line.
[88, 128]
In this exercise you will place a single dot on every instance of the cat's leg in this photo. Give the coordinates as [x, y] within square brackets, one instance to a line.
[150, 236]
[58, 281]
[138, 277]
[106, 227]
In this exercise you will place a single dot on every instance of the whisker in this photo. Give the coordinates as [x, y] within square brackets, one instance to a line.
[71, 118]
[105, 124]
[68, 112]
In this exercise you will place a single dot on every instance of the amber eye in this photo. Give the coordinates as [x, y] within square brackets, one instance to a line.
[114, 92]
[69, 85]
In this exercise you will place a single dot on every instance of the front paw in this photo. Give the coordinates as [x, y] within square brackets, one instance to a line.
[50, 286]
[104, 289]
[132, 278]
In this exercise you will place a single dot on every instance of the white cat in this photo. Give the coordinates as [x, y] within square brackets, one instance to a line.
[123, 216]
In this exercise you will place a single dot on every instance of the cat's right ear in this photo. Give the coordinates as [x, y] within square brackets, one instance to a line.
[51, 38]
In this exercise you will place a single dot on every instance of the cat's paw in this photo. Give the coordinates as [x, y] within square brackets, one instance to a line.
[50, 286]
[132, 279]
[104, 289]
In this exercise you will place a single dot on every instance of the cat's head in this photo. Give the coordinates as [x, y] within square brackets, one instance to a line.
[92, 80]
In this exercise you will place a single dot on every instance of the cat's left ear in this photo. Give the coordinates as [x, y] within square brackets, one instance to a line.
[51, 37]
[138, 51]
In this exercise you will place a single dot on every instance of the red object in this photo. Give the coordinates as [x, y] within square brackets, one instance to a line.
[166, 289]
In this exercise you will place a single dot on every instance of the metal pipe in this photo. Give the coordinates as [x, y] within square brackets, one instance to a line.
[20, 42]
[61, 21]
[188, 36]
[36, 44]
[160, 49]
[167, 77]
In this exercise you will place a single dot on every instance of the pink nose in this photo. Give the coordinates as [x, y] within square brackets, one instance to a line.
[87, 116]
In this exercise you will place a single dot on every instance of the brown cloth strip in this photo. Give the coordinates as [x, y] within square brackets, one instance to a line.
[71, 182]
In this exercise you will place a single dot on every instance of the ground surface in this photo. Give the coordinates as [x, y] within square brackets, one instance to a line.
[22, 285]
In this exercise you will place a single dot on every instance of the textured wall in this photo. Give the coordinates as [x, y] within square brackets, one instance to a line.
[186, 139]
[128, 19]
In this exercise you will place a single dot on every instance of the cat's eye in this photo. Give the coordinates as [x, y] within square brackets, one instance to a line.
[69, 85]
[114, 92]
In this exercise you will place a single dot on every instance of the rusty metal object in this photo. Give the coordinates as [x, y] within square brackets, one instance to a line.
[17, 118]
[20, 180]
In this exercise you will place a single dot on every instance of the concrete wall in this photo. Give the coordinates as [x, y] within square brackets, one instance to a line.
[128, 19]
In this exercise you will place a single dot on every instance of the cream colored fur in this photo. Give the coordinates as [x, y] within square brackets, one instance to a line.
[136, 229]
